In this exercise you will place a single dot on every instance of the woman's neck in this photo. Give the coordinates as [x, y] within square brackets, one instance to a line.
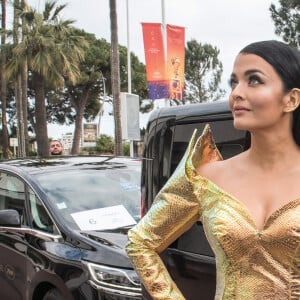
[273, 151]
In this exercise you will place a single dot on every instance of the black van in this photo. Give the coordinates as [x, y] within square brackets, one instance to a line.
[190, 259]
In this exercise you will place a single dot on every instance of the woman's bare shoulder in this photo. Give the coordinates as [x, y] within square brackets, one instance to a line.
[213, 170]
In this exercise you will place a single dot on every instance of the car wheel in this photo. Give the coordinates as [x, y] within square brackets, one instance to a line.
[53, 294]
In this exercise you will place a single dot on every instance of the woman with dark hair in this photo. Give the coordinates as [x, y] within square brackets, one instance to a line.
[285, 61]
[249, 204]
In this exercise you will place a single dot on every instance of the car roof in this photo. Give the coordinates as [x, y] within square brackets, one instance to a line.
[58, 163]
[194, 109]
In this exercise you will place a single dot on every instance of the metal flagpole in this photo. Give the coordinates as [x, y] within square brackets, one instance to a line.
[164, 33]
[164, 29]
[129, 67]
[128, 50]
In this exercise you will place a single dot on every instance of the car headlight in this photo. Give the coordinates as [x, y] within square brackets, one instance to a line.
[114, 280]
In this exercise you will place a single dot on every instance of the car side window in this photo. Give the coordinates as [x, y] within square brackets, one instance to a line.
[229, 140]
[12, 194]
[40, 217]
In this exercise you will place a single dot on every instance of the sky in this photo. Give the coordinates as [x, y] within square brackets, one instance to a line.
[228, 25]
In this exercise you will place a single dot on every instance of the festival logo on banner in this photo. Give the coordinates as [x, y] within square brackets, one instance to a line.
[175, 64]
[158, 82]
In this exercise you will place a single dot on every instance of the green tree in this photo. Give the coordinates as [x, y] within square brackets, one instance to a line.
[53, 51]
[287, 21]
[203, 71]
[85, 95]
[96, 65]
[138, 74]
[82, 100]
[126, 149]
[105, 144]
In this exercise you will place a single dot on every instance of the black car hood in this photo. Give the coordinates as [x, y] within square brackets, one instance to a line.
[114, 238]
[109, 246]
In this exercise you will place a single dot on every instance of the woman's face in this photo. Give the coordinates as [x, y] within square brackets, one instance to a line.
[257, 95]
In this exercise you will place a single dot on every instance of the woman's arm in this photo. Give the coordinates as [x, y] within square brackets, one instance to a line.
[175, 210]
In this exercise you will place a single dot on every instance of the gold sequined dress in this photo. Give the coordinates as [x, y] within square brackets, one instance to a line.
[251, 264]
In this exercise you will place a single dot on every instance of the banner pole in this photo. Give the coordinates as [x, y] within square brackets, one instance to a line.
[164, 30]
[128, 50]
[164, 34]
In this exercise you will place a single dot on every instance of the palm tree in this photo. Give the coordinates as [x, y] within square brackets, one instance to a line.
[115, 76]
[24, 87]
[21, 109]
[5, 148]
[53, 51]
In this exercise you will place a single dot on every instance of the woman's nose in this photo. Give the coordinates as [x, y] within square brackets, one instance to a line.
[238, 92]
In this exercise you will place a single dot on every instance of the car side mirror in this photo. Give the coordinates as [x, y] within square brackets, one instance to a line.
[10, 217]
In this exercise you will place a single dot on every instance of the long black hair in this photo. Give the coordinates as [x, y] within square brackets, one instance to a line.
[285, 60]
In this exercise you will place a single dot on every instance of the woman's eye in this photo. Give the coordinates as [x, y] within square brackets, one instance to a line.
[232, 82]
[253, 80]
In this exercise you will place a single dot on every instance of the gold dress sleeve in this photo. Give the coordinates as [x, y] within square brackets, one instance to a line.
[174, 210]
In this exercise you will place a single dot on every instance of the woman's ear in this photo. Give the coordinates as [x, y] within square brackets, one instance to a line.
[293, 100]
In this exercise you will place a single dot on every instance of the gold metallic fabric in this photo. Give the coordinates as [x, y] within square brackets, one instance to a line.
[251, 264]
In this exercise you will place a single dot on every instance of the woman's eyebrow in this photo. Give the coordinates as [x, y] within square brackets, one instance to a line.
[251, 71]
[248, 72]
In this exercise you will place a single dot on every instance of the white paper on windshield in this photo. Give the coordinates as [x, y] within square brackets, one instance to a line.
[103, 218]
[61, 205]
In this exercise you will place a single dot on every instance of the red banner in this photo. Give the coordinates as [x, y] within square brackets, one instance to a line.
[175, 64]
[158, 83]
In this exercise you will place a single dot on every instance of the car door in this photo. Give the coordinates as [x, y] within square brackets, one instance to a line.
[13, 246]
[22, 248]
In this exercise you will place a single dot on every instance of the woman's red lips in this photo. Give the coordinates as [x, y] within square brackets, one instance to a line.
[240, 108]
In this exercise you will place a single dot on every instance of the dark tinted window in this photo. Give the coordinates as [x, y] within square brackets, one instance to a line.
[12, 194]
[229, 140]
[40, 218]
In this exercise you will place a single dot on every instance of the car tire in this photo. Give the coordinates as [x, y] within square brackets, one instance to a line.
[53, 294]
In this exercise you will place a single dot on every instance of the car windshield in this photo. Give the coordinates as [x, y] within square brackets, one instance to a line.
[95, 199]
